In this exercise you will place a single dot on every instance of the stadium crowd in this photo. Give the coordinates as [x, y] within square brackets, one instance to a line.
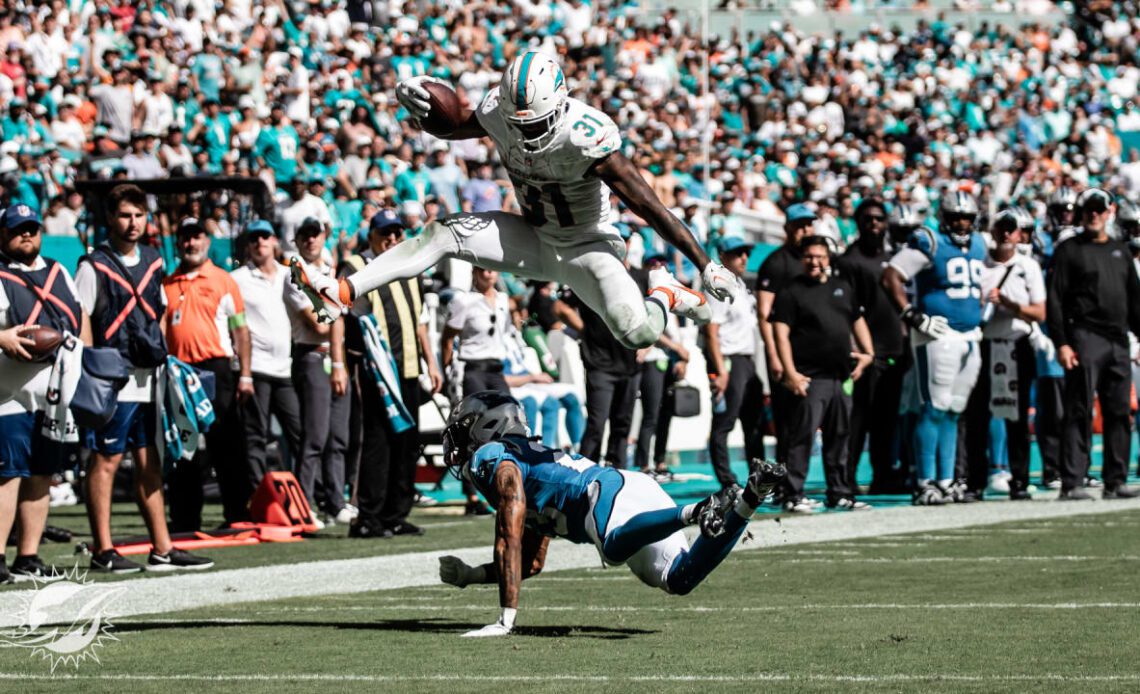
[849, 141]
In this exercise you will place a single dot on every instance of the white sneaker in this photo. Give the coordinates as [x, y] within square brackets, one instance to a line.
[323, 291]
[353, 510]
[999, 483]
[320, 524]
[344, 516]
[801, 505]
[682, 301]
[62, 495]
[846, 504]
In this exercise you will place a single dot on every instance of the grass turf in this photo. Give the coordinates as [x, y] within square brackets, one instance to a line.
[983, 609]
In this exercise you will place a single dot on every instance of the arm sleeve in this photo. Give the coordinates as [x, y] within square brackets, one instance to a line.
[1054, 303]
[909, 262]
[87, 287]
[1133, 285]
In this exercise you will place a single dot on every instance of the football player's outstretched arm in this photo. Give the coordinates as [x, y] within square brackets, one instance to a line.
[413, 96]
[456, 572]
[509, 526]
[510, 522]
[623, 178]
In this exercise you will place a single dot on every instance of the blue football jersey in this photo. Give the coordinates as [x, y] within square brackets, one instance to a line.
[951, 286]
[557, 484]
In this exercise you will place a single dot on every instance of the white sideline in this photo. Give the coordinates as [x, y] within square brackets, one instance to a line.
[759, 677]
[228, 587]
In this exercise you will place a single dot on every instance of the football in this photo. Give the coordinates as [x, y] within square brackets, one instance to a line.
[46, 340]
[446, 112]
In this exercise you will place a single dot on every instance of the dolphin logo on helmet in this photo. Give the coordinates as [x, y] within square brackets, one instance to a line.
[532, 99]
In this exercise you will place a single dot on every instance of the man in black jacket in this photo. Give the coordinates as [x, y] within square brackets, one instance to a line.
[1093, 301]
[878, 392]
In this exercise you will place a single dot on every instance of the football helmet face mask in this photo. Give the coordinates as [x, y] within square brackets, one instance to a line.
[902, 222]
[479, 419]
[532, 99]
[1128, 222]
[957, 213]
[1062, 208]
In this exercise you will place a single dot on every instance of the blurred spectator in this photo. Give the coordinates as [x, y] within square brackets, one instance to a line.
[206, 328]
[321, 378]
[816, 318]
[479, 319]
[29, 451]
[387, 460]
[730, 348]
[662, 365]
[880, 388]
[612, 379]
[1093, 301]
[481, 193]
[1014, 290]
[302, 204]
[120, 286]
[268, 390]
[781, 267]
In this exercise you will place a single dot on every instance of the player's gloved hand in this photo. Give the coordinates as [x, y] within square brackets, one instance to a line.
[454, 571]
[931, 326]
[718, 281]
[412, 95]
[500, 628]
[1040, 342]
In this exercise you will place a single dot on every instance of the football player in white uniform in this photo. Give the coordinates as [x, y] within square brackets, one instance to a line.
[558, 152]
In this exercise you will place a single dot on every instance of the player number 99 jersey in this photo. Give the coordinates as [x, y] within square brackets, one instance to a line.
[951, 284]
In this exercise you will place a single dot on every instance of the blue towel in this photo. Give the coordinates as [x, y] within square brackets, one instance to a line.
[186, 410]
[382, 366]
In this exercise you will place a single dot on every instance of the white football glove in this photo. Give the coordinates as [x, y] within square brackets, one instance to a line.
[1040, 342]
[412, 95]
[718, 281]
[454, 571]
[931, 326]
[500, 628]
[496, 629]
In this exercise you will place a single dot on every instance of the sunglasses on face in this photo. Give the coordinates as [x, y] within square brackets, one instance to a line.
[24, 230]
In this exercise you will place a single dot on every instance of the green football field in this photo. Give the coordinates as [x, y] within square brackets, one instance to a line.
[1031, 605]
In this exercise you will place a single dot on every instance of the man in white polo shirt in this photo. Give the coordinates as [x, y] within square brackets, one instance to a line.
[262, 283]
[730, 346]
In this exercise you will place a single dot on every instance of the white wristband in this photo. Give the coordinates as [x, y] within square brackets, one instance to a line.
[245, 379]
[507, 619]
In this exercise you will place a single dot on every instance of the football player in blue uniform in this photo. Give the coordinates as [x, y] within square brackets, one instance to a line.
[947, 267]
[540, 492]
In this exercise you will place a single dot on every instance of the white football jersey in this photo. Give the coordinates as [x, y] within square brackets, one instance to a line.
[554, 188]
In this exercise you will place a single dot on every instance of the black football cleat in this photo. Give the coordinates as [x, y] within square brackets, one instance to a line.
[763, 476]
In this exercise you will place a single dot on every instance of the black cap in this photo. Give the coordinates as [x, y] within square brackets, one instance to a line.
[1094, 200]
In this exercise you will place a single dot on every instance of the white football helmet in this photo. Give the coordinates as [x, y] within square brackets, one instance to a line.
[532, 99]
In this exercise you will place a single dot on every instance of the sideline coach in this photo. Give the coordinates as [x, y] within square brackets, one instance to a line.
[1093, 300]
